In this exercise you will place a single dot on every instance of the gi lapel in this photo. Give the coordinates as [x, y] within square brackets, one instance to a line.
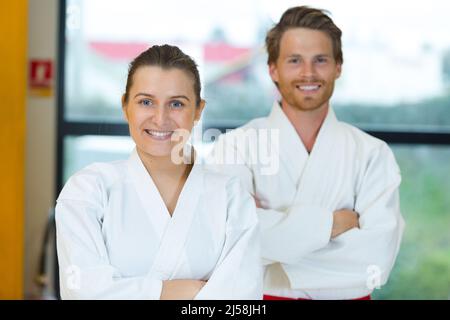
[326, 166]
[175, 230]
[293, 153]
[148, 194]
[172, 245]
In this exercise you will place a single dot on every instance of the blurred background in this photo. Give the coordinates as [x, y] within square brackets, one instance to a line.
[64, 68]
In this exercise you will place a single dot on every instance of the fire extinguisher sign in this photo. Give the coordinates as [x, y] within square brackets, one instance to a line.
[41, 78]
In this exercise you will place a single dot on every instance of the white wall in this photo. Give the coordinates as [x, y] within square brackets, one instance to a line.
[40, 139]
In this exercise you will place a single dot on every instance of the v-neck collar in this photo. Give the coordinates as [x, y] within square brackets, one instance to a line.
[152, 200]
[293, 152]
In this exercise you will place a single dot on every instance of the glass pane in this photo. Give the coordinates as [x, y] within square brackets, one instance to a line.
[422, 270]
[80, 151]
[396, 73]
[224, 38]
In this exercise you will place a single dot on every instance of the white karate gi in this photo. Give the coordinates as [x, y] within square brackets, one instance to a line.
[116, 239]
[347, 169]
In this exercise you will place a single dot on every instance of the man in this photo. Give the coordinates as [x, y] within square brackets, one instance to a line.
[330, 220]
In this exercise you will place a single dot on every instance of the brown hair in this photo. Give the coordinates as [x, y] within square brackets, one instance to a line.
[166, 57]
[303, 17]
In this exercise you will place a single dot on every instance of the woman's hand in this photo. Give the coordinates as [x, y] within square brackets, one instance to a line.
[181, 289]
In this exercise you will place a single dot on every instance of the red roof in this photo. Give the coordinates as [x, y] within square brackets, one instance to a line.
[212, 52]
[222, 52]
[119, 51]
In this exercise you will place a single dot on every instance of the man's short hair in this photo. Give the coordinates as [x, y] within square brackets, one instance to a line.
[304, 17]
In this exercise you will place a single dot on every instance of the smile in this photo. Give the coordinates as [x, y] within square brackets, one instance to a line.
[159, 135]
[308, 88]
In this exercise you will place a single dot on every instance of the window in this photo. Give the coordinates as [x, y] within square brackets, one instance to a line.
[395, 85]
[422, 269]
[80, 151]
[396, 73]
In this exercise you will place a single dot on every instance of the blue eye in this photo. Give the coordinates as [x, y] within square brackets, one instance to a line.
[176, 104]
[146, 102]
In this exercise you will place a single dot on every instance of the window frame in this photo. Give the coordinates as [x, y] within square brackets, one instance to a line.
[70, 128]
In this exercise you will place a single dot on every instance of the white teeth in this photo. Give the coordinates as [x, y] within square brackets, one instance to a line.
[159, 133]
[308, 88]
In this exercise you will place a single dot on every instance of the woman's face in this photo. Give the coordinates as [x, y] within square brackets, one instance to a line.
[161, 102]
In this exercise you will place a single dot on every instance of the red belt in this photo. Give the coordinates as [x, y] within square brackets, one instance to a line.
[269, 297]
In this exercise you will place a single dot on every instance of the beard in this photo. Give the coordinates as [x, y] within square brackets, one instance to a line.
[304, 101]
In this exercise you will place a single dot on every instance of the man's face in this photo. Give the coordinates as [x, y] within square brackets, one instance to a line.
[305, 69]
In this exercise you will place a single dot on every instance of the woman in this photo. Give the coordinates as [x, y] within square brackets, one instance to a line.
[155, 227]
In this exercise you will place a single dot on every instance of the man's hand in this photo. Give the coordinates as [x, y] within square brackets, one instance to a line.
[257, 202]
[181, 289]
[344, 220]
